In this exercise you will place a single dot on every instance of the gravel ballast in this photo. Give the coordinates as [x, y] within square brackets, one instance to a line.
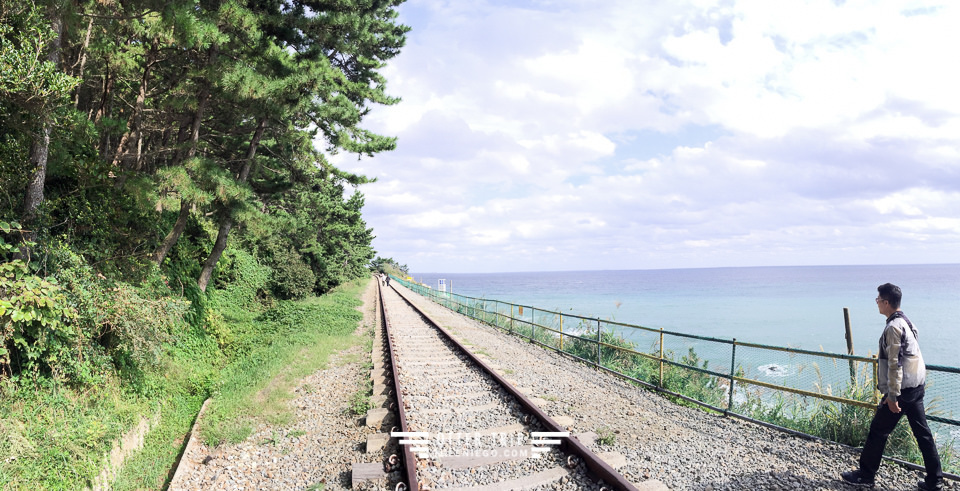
[463, 410]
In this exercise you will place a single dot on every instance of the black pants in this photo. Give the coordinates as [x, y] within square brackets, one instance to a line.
[884, 421]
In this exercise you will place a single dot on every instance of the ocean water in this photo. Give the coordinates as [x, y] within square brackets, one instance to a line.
[800, 307]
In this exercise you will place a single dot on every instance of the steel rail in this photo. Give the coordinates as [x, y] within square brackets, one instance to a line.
[595, 464]
[409, 462]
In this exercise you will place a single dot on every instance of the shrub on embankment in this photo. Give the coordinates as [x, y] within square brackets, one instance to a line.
[85, 358]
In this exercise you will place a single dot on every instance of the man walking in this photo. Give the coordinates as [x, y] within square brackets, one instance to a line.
[902, 375]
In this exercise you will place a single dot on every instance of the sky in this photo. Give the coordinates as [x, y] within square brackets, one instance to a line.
[584, 135]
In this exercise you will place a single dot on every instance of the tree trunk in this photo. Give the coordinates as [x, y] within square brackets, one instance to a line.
[226, 223]
[83, 63]
[174, 234]
[252, 150]
[202, 99]
[105, 96]
[105, 109]
[39, 151]
[40, 148]
[135, 123]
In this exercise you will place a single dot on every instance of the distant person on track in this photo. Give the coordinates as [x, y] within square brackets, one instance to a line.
[902, 375]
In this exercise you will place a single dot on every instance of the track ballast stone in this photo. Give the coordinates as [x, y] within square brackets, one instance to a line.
[462, 409]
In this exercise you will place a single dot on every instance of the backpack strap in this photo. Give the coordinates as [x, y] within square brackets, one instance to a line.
[903, 336]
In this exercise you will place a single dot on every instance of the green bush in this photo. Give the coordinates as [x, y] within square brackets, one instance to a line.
[692, 383]
[37, 328]
[239, 295]
[292, 316]
[38, 331]
[240, 280]
[293, 278]
[132, 326]
[77, 325]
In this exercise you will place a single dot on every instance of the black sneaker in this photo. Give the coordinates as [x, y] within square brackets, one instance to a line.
[856, 478]
[924, 486]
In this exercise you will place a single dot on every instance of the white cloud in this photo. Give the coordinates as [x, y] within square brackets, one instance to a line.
[829, 122]
[595, 75]
[434, 219]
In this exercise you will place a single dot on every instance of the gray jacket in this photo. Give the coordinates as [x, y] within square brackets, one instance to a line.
[900, 362]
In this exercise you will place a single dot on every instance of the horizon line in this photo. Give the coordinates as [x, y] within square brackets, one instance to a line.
[690, 268]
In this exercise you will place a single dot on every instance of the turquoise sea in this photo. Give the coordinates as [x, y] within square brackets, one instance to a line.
[800, 306]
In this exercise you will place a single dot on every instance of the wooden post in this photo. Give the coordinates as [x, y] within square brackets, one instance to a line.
[561, 332]
[849, 336]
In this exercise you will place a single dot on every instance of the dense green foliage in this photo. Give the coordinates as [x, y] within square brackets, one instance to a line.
[153, 132]
[389, 266]
[167, 207]
[55, 438]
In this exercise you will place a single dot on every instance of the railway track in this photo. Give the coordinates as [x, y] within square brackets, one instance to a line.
[461, 425]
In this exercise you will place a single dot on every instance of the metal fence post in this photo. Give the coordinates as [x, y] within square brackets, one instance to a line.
[661, 358]
[533, 324]
[511, 318]
[598, 343]
[733, 366]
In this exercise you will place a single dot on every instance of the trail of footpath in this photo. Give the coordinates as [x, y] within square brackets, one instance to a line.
[314, 451]
[682, 447]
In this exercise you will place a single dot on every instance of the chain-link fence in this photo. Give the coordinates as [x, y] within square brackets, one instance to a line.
[828, 395]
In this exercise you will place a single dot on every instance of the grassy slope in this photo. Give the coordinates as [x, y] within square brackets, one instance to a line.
[56, 438]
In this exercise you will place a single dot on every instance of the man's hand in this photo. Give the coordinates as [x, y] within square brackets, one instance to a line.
[893, 405]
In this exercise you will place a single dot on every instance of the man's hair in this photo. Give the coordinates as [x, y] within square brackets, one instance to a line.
[891, 293]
